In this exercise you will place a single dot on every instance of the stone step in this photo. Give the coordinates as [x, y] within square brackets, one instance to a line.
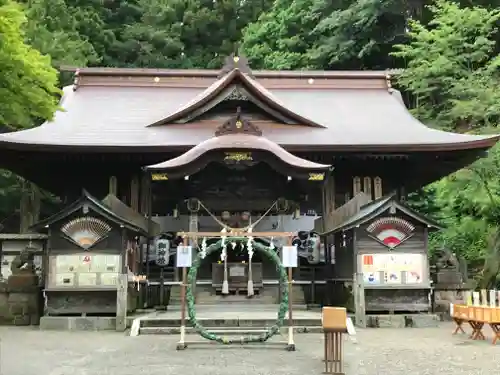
[268, 295]
[255, 300]
[226, 322]
[220, 332]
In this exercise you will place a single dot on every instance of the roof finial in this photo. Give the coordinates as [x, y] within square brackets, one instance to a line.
[235, 61]
[236, 54]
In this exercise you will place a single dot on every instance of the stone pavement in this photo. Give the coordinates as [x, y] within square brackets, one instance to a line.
[423, 351]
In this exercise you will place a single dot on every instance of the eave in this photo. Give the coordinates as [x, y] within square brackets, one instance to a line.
[374, 209]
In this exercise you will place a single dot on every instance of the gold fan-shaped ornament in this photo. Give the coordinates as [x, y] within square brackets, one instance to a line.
[86, 231]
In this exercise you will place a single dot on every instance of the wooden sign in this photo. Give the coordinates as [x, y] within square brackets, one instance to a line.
[334, 318]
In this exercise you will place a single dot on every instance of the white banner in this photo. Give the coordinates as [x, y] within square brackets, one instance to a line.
[184, 256]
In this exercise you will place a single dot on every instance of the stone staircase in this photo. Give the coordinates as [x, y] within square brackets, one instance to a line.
[228, 317]
[269, 295]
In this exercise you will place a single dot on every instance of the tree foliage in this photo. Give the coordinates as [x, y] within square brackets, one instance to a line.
[28, 83]
[452, 70]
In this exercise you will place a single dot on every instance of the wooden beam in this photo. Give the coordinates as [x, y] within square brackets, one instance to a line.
[236, 234]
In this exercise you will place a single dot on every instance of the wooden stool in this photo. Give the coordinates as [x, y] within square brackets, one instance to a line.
[477, 330]
[495, 327]
[334, 362]
[458, 327]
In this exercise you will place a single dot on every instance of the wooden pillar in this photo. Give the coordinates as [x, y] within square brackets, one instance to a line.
[134, 193]
[144, 193]
[29, 208]
[377, 187]
[367, 186]
[356, 186]
[328, 223]
[328, 194]
[358, 291]
[113, 185]
[122, 288]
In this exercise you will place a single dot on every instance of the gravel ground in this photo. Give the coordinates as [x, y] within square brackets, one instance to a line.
[419, 351]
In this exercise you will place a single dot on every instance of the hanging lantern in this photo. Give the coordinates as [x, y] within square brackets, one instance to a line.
[245, 216]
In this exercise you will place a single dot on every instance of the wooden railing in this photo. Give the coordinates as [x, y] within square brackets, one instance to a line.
[346, 211]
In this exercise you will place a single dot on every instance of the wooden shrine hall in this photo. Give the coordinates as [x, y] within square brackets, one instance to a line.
[198, 150]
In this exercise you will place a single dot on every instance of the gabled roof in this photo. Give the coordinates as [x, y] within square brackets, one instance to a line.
[240, 134]
[265, 99]
[129, 221]
[378, 207]
[110, 110]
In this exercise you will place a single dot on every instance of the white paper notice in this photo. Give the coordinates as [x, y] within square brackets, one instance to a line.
[184, 256]
[290, 256]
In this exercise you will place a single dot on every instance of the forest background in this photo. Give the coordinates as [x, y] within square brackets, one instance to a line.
[446, 55]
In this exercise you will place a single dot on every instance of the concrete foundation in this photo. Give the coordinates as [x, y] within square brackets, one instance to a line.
[231, 318]
[79, 323]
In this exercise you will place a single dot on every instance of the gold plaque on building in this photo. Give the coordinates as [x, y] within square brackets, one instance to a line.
[316, 176]
[238, 156]
[159, 177]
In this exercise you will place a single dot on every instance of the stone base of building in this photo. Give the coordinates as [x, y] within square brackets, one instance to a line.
[80, 323]
[402, 321]
[20, 301]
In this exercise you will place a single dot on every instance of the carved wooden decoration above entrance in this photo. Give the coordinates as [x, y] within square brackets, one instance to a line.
[391, 231]
[235, 62]
[238, 125]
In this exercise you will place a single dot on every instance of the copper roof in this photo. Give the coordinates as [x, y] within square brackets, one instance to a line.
[112, 108]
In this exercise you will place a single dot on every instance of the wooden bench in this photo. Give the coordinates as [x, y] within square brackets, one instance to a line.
[477, 317]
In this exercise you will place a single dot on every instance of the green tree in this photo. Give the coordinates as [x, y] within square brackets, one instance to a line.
[452, 69]
[361, 35]
[281, 37]
[28, 83]
[52, 28]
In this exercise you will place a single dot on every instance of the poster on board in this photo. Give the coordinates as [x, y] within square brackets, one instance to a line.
[372, 278]
[396, 268]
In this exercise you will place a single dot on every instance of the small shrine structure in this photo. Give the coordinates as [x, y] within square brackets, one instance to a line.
[92, 257]
[385, 245]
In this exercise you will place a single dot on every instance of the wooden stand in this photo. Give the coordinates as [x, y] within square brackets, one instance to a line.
[291, 343]
[334, 321]
[334, 363]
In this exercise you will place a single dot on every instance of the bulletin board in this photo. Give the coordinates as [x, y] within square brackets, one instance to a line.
[393, 269]
[84, 270]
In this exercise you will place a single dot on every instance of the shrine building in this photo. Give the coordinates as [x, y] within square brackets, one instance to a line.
[291, 151]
